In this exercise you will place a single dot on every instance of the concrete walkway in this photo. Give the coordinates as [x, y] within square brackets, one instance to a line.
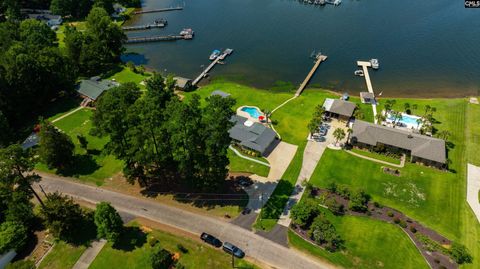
[90, 254]
[68, 114]
[401, 165]
[255, 246]
[247, 158]
[473, 187]
[311, 156]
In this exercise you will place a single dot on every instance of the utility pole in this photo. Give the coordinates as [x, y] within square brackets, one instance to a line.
[233, 260]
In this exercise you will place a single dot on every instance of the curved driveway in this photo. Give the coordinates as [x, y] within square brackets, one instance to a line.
[254, 245]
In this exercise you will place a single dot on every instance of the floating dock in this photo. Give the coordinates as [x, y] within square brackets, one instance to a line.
[209, 67]
[365, 66]
[157, 10]
[319, 59]
[157, 24]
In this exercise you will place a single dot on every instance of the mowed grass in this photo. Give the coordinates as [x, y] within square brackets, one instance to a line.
[368, 244]
[128, 255]
[127, 75]
[377, 156]
[238, 164]
[62, 256]
[473, 133]
[93, 167]
[435, 198]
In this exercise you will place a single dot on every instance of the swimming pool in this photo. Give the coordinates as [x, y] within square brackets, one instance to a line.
[409, 121]
[252, 111]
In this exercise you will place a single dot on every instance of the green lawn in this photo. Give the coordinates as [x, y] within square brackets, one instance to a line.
[136, 254]
[433, 197]
[126, 75]
[96, 166]
[377, 156]
[473, 133]
[62, 256]
[368, 244]
[238, 164]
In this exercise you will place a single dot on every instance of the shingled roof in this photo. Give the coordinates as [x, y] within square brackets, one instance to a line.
[340, 107]
[421, 146]
[94, 87]
[256, 136]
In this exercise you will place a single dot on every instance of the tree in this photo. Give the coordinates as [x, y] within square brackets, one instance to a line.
[444, 134]
[397, 116]
[334, 206]
[82, 140]
[316, 120]
[380, 117]
[303, 213]
[107, 5]
[62, 216]
[13, 235]
[358, 114]
[389, 104]
[5, 134]
[414, 106]
[406, 107]
[108, 221]
[359, 201]
[338, 134]
[19, 208]
[36, 34]
[324, 233]
[73, 43]
[16, 175]
[21, 264]
[55, 147]
[460, 253]
[62, 7]
[427, 109]
[160, 258]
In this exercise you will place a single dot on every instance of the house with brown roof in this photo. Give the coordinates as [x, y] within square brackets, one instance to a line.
[420, 148]
[339, 108]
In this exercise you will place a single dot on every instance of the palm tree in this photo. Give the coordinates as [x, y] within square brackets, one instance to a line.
[397, 116]
[419, 121]
[380, 117]
[414, 106]
[358, 114]
[444, 134]
[406, 106]
[338, 134]
[427, 109]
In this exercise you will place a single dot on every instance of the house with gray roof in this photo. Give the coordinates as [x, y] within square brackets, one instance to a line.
[423, 149]
[339, 108]
[251, 135]
[94, 87]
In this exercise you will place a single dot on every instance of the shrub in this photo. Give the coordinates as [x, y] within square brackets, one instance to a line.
[334, 206]
[332, 187]
[402, 224]
[303, 213]
[152, 241]
[436, 260]
[323, 232]
[179, 266]
[182, 249]
[390, 214]
[13, 235]
[460, 253]
[21, 264]
[377, 205]
[359, 201]
[344, 192]
[396, 220]
[160, 258]
[413, 229]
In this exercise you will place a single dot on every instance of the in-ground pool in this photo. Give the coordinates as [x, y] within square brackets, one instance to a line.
[252, 111]
[409, 121]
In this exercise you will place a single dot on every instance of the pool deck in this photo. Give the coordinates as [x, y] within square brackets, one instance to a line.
[247, 115]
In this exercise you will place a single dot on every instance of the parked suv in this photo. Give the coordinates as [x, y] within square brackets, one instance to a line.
[210, 239]
[229, 248]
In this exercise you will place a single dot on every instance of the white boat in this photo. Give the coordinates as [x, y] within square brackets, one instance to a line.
[358, 73]
[214, 55]
[374, 63]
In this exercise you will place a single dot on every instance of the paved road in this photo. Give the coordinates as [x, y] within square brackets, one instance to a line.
[254, 245]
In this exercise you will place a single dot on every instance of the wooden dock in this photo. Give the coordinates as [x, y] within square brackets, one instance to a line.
[209, 67]
[157, 10]
[143, 27]
[320, 59]
[365, 66]
[155, 39]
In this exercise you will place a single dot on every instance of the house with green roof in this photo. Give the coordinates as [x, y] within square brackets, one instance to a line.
[93, 88]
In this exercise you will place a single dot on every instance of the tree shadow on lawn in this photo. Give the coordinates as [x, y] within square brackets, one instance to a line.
[86, 233]
[81, 165]
[229, 194]
[132, 237]
[273, 209]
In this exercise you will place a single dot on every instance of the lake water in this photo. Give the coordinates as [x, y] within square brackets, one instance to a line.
[425, 48]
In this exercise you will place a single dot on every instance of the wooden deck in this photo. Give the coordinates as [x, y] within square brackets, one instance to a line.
[320, 59]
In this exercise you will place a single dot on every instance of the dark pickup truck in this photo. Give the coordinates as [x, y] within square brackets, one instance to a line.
[210, 239]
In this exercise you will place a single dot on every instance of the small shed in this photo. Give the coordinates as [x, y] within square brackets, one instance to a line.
[182, 84]
[367, 98]
[220, 93]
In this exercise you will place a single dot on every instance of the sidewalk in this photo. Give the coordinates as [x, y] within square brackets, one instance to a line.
[90, 254]
[473, 187]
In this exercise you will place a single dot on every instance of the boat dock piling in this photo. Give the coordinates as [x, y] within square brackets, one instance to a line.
[365, 66]
[157, 10]
[319, 59]
[210, 66]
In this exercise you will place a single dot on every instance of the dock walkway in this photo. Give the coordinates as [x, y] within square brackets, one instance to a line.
[210, 66]
[365, 66]
[157, 38]
[157, 10]
[320, 59]
[143, 27]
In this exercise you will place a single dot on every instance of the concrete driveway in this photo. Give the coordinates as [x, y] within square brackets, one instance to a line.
[280, 159]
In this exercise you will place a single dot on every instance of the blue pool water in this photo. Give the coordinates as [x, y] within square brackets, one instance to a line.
[254, 113]
[407, 120]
